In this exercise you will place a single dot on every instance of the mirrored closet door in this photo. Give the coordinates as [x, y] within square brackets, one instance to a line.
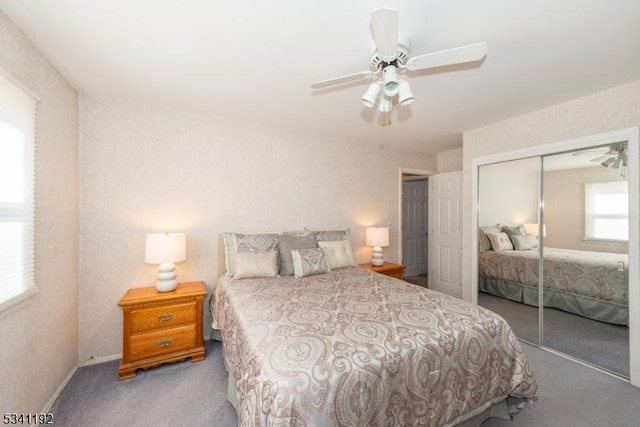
[585, 255]
[508, 197]
[553, 259]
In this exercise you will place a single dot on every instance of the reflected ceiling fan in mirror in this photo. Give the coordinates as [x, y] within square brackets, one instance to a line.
[613, 156]
[390, 60]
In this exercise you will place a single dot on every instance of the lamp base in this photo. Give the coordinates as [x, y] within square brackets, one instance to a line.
[166, 277]
[376, 256]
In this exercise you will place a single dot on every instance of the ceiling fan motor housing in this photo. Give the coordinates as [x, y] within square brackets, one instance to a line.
[376, 63]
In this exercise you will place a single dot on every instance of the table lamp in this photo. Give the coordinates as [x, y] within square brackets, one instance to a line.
[165, 249]
[534, 228]
[378, 237]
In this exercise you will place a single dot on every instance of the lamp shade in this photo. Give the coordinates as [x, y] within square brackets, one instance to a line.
[377, 236]
[161, 248]
[533, 229]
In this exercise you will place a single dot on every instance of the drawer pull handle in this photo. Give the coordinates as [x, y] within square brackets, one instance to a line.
[165, 317]
[165, 342]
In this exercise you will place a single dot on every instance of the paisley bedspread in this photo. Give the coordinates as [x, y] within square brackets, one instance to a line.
[595, 275]
[357, 348]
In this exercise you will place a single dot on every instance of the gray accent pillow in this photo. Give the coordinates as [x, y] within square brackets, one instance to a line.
[516, 230]
[286, 244]
[500, 242]
[483, 240]
[237, 242]
[524, 243]
[308, 262]
[256, 264]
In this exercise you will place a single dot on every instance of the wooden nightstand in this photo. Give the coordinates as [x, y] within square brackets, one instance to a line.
[388, 268]
[161, 327]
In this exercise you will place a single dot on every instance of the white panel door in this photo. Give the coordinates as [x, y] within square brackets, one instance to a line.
[414, 227]
[445, 233]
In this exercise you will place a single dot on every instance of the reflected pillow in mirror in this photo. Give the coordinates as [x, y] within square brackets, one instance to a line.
[524, 243]
[500, 242]
[516, 230]
[483, 240]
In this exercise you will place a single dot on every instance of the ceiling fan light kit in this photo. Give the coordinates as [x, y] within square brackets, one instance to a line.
[391, 56]
[405, 95]
[371, 95]
[390, 78]
[616, 157]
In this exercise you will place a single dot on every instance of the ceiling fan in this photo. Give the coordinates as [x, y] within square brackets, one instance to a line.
[391, 57]
[614, 156]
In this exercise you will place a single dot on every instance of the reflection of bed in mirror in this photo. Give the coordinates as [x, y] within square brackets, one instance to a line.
[590, 284]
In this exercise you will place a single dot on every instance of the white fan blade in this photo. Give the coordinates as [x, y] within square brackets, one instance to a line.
[590, 152]
[601, 158]
[344, 79]
[458, 55]
[384, 24]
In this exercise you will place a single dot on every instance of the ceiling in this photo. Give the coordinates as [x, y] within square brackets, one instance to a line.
[255, 60]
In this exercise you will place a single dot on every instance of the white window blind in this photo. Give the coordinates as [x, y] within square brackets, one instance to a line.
[17, 188]
[607, 210]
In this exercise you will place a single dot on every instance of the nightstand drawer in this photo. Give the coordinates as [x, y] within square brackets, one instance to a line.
[162, 317]
[161, 327]
[163, 341]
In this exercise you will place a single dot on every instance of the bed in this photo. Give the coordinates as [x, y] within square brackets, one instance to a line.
[591, 284]
[351, 347]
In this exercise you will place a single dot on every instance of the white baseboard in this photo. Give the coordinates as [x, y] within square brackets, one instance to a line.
[95, 360]
[88, 362]
[55, 396]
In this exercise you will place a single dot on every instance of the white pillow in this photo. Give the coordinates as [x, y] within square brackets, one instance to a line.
[500, 242]
[483, 240]
[339, 253]
[255, 264]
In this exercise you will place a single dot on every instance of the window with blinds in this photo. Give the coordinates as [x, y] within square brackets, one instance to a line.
[17, 193]
[607, 210]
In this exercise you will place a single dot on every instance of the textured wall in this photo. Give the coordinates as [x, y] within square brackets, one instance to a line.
[39, 337]
[508, 192]
[148, 168]
[610, 110]
[450, 161]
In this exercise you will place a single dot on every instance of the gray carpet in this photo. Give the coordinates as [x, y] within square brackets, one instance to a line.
[193, 395]
[179, 394]
[570, 394]
[598, 343]
[421, 280]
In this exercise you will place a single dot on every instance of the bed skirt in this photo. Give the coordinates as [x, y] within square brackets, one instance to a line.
[603, 311]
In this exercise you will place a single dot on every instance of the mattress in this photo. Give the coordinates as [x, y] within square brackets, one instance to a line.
[357, 348]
